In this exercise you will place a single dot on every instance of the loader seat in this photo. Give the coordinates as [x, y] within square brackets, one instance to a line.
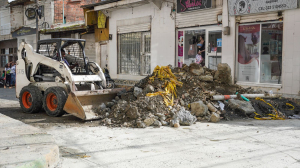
[72, 59]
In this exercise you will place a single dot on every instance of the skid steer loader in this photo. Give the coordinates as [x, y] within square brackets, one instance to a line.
[60, 83]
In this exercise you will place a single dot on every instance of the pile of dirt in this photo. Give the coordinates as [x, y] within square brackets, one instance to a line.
[174, 96]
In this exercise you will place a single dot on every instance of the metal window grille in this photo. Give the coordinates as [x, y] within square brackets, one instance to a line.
[134, 55]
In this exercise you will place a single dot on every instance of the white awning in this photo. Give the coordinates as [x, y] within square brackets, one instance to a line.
[121, 5]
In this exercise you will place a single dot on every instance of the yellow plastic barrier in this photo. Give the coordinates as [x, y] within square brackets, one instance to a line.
[165, 73]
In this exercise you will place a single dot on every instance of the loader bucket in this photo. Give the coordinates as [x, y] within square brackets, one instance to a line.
[83, 104]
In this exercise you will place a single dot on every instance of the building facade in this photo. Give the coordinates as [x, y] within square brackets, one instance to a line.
[257, 39]
[262, 46]
[141, 36]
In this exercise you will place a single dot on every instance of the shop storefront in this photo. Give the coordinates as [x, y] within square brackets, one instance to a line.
[265, 44]
[8, 52]
[259, 48]
[199, 33]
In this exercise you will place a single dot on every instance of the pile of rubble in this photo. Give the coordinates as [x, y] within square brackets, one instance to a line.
[194, 86]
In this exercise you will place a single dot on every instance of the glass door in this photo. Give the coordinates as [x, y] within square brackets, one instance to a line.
[213, 47]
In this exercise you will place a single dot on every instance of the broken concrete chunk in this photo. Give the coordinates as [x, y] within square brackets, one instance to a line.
[214, 117]
[149, 89]
[149, 121]
[226, 90]
[241, 105]
[223, 73]
[199, 109]
[163, 118]
[109, 104]
[176, 125]
[157, 123]
[196, 69]
[141, 124]
[211, 107]
[164, 123]
[107, 121]
[181, 102]
[207, 78]
[132, 112]
[137, 91]
[159, 115]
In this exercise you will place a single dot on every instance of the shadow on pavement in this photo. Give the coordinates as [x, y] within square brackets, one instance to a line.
[41, 119]
[293, 123]
[8, 94]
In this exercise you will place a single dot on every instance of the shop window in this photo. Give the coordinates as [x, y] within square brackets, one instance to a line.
[134, 55]
[10, 59]
[11, 50]
[260, 53]
[192, 46]
[3, 61]
[271, 53]
[214, 49]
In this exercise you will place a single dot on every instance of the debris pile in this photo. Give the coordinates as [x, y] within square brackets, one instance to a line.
[180, 96]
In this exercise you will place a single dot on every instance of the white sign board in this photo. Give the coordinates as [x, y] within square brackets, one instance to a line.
[243, 7]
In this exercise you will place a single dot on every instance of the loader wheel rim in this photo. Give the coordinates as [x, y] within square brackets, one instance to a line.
[51, 101]
[26, 99]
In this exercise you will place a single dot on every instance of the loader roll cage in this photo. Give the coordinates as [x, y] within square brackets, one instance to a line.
[52, 48]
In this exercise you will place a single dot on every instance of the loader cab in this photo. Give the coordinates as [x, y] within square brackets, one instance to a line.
[74, 53]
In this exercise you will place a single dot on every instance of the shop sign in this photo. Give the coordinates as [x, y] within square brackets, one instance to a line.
[219, 42]
[189, 5]
[24, 32]
[242, 7]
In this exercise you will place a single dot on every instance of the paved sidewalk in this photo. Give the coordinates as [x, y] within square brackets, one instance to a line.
[22, 145]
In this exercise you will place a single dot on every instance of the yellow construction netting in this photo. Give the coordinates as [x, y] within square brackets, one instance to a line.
[271, 116]
[165, 74]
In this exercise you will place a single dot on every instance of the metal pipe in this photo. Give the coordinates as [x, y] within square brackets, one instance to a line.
[63, 12]
[225, 97]
[37, 37]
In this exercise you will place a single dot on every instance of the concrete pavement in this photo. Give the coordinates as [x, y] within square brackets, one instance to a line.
[234, 144]
[22, 145]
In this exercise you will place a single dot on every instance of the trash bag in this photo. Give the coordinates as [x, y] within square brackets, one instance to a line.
[184, 117]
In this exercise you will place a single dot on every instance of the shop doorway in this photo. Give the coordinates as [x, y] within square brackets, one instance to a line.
[200, 45]
[214, 48]
[103, 56]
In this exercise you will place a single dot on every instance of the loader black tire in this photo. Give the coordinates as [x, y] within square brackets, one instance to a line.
[54, 101]
[30, 99]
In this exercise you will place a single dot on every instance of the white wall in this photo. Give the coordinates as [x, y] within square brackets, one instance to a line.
[162, 36]
[228, 41]
[31, 39]
[90, 49]
[291, 50]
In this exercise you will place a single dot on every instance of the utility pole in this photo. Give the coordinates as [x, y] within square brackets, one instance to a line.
[37, 23]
